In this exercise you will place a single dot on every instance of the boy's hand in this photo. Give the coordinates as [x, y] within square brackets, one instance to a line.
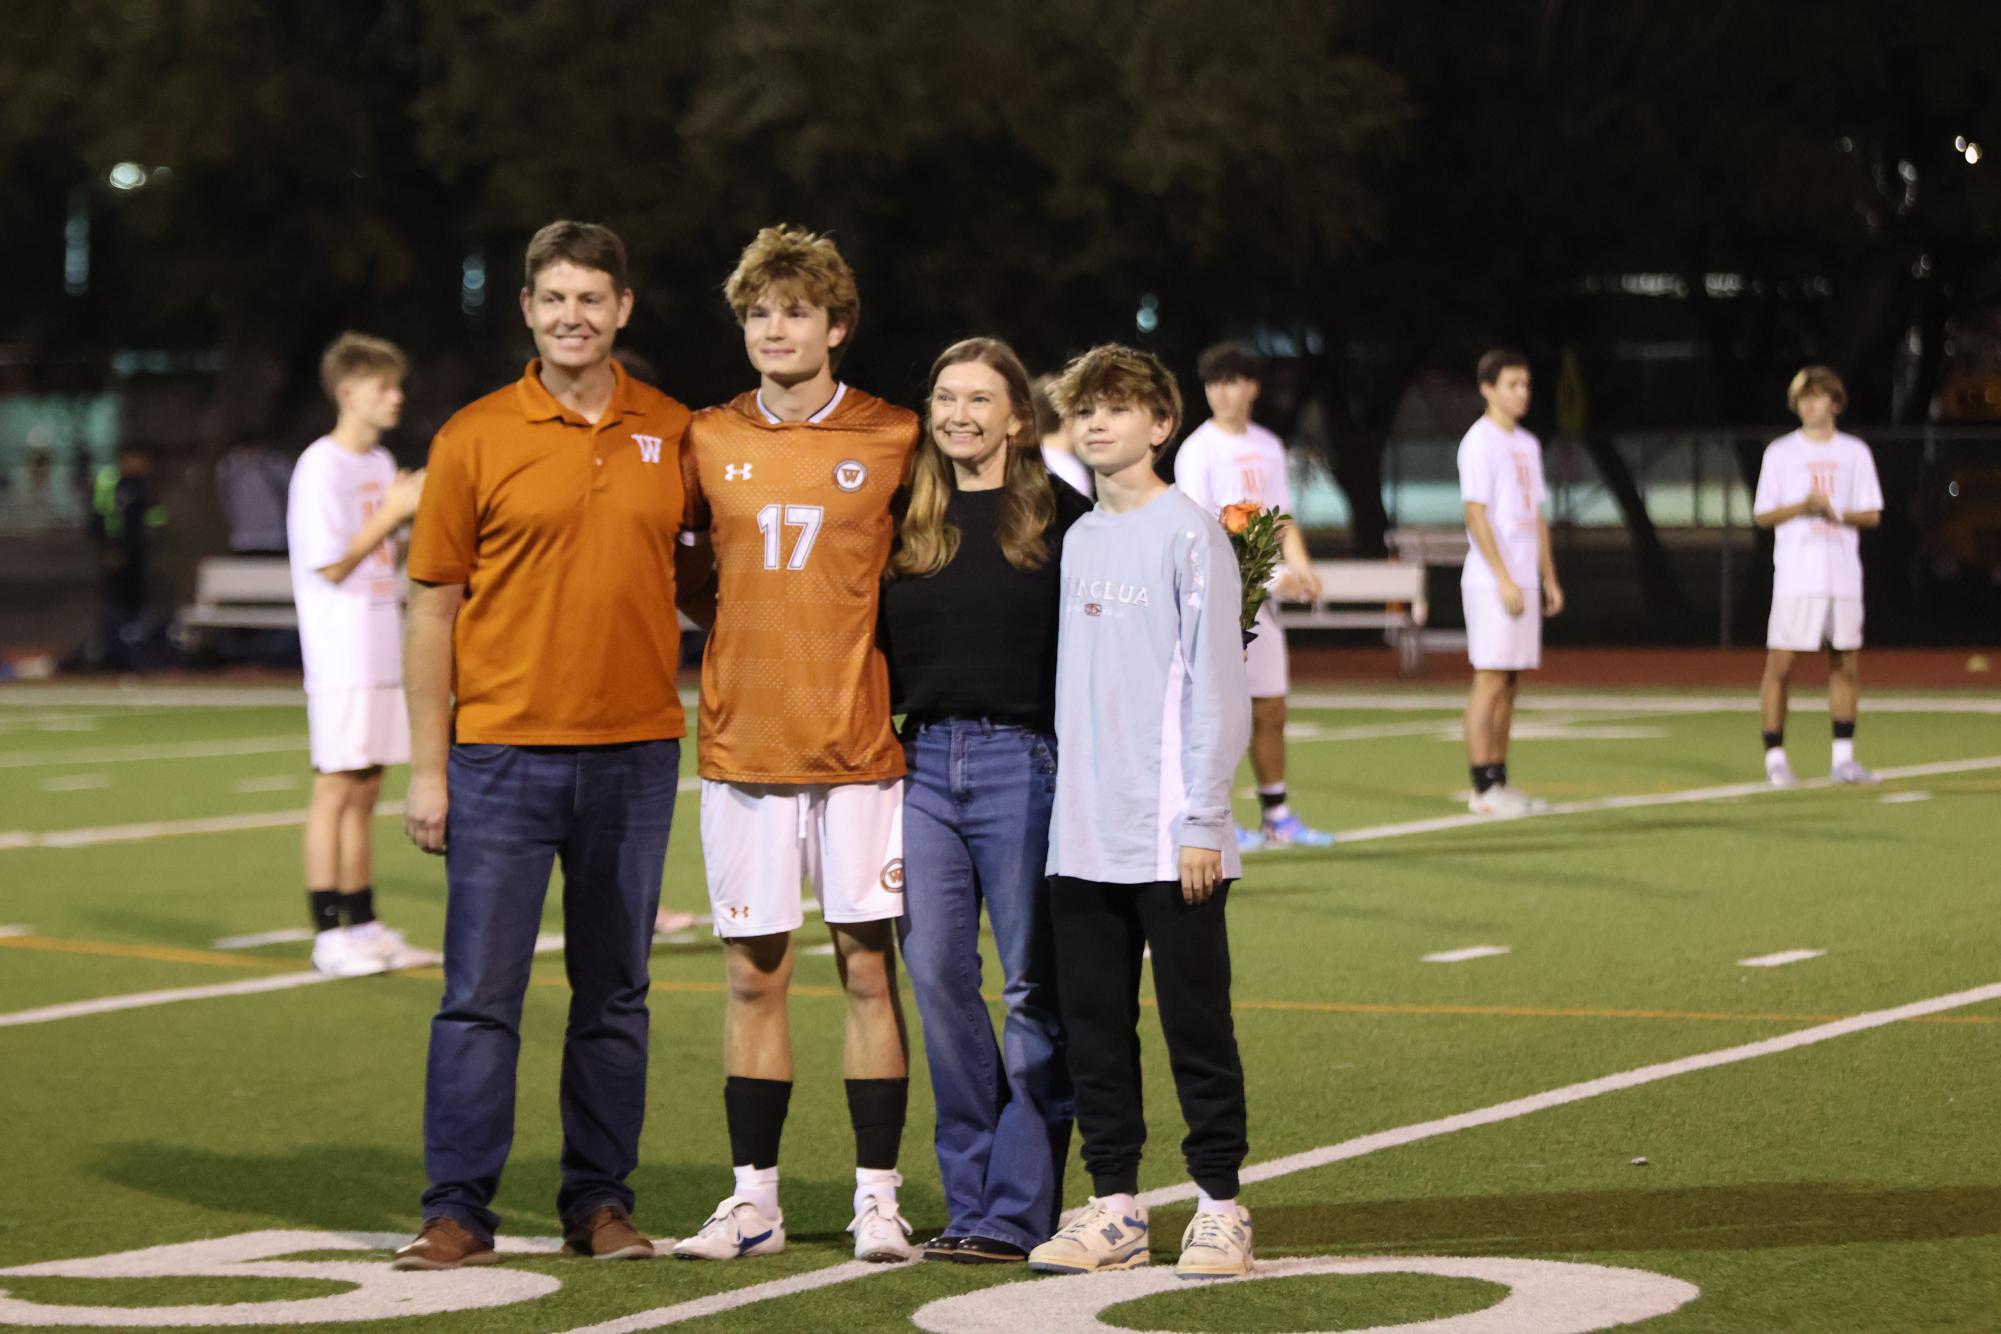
[1299, 584]
[1552, 598]
[1511, 597]
[1201, 871]
[404, 493]
[1819, 506]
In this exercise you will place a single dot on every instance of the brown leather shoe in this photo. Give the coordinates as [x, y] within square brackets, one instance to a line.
[444, 1244]
[608, 1234]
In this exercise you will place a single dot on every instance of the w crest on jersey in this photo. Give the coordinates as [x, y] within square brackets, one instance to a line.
[649, 448]
[849, 474]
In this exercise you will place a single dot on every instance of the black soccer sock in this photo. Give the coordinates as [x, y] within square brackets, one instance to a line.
[755, 1110]
[1500, 772]
[1774, 740]
[1844, 731]
[1275, 797]
[877, 1108]
[1482, 780]
[358, 907]
[324, 904]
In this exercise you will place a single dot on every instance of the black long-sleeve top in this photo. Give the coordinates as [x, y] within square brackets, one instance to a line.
[978, 638]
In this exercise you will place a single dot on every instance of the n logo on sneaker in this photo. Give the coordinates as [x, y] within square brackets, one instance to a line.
[1111, 1232]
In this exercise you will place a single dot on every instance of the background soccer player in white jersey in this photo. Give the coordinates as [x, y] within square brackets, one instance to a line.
[1817, 488]
[1226, 460]
[1509, 582]
[345, 501]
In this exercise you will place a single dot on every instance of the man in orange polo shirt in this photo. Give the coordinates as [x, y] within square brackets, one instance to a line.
[544, 724]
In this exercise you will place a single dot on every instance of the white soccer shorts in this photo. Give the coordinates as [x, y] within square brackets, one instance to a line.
[1265, 659]
[1496, 641]
[355, 729]
[1808, 624]
[843, 842]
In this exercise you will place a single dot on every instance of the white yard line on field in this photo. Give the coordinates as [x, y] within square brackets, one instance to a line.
[1418, 701]
[1590, 1088]
[140, 1000]
[1781, 959]
[1642, 801]
[1471, 952]
[208, 824]
[135, 754]
[288, 936]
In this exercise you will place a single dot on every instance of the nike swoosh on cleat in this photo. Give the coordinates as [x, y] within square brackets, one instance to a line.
[1135, 1225]
[747, 1242]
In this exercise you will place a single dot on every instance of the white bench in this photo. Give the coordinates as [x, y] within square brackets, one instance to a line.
[242, 593]
[1394, 590]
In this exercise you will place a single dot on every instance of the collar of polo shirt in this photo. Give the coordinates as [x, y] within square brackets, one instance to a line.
[539, 405]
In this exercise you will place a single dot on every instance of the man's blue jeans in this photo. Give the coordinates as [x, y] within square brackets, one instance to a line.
[604, 812]
[976, 828]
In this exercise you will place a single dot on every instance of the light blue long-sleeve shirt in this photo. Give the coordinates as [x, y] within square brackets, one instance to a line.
[1152, 708]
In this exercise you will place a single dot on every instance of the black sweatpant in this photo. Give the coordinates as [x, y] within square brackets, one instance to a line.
[1100, 933]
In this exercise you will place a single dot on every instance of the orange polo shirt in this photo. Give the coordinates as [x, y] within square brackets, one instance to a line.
[563, 533]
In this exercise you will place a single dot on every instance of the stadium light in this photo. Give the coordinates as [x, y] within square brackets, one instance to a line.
[1972, 154]
[126, 176]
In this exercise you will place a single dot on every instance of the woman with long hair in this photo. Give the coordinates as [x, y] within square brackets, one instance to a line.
[969, 625]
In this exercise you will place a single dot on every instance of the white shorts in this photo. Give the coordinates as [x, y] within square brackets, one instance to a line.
[357, 729]
[1265, 659]
[1496, 641]
[1807, 624]
[843, 842]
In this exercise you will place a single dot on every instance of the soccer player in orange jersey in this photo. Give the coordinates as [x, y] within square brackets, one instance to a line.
[790, 485]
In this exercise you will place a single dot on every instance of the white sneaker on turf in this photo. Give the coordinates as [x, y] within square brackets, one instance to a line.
[1780, 774]
[1848, 771]
[1216, 1246]
[338, 954]
[881, 1234]
[736, 1229]
[387, 944]
[1503, 800]
[1099, 1238]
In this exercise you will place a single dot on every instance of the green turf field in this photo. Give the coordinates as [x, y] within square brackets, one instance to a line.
[1848, 1181]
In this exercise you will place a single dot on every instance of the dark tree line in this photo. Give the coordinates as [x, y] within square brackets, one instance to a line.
[1412, 179]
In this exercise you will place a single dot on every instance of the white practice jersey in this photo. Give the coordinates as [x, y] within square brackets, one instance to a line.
[1815, 557]
[1214, 468]
[350, 633]
[1503, 471]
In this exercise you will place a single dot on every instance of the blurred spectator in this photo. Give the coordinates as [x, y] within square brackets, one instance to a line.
[252, 480]
[122, 518]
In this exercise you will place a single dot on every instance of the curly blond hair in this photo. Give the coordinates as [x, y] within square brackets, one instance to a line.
[794, 261]
[1115, 373]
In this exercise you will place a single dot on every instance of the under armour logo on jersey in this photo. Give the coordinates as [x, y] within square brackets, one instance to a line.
[737, 911]
[649, 448]
[849, 474]
[736, 472]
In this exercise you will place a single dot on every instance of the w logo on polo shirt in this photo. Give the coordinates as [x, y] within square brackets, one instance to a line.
[649, 448]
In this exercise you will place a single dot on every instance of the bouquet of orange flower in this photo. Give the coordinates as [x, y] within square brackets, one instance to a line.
[1254, 534]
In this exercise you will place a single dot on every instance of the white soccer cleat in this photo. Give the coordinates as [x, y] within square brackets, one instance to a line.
[1780, 774]
[1097, 1239]
[736, 1229]
[1503, 800]
[1848, 771]
[1215, 1246]
[881, 1234]
[337, 953]
[387, 944]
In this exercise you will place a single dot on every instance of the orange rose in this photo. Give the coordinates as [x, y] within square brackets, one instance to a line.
[1237, 517]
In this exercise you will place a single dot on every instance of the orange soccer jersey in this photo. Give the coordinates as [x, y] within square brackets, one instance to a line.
[794, 686]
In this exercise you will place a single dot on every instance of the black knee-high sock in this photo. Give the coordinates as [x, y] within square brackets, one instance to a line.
[755, 1110]
[877, 1108]
[359, 907]
[324, 905]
